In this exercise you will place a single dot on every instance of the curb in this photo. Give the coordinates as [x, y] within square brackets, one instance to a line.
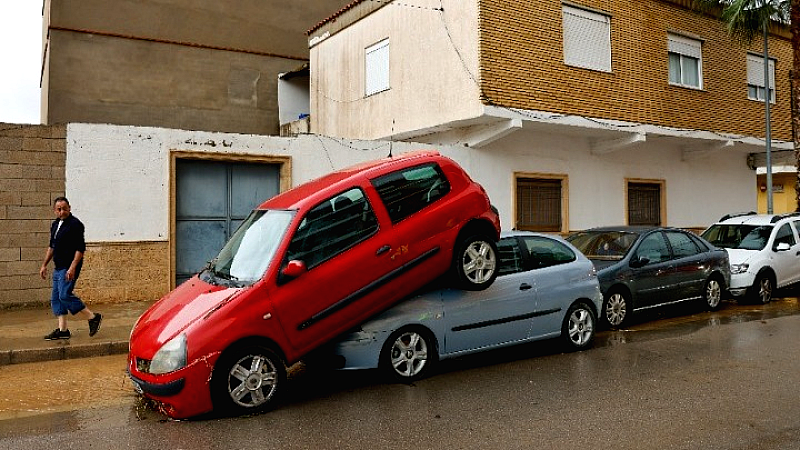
[22, 356]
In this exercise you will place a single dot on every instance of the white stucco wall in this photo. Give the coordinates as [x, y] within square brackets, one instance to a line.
[433, 48]
[698, 192]
[117, 177]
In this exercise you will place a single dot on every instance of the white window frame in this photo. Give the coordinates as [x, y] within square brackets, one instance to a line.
[586, 38]
[755, 77]
[689, 51]
[376, 68]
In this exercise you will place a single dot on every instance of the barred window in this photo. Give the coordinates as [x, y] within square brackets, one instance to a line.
[539, 204]
[644, 204]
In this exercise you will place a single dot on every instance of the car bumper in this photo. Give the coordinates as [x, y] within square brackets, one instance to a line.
[360, 350]
[181, 394]
[740, 283]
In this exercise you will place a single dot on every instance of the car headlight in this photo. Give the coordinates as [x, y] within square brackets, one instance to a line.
[170, 357]
[739, 268]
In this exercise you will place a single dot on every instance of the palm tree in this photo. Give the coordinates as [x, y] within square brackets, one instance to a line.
[746, 19]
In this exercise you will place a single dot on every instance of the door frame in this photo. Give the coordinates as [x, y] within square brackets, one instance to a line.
[284, 184]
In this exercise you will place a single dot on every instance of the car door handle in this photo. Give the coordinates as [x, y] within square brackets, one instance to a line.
[525, 287]
[383, 250]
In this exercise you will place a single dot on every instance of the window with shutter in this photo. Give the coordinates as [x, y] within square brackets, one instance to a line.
[587, 39]
[685, 59]
[755, 78]
[377, 68]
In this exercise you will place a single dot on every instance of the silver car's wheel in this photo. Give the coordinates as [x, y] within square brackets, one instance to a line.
[712, 294]
[615, 309]
[476, 263]
[248, 379]
[409, 354]
[578, 328]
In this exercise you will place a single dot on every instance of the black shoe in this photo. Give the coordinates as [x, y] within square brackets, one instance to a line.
[94, 324]
[58, 334]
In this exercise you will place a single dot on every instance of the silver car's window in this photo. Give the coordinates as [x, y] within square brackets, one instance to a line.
[544, 252]
[509, 257]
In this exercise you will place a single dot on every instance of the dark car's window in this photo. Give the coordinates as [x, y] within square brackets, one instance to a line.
[747, 237]
[654, 248]
[544, 252]
[784, 235]
[603, 245]
[509, 257]
[333, 226]
[682, 245]
[407, 191]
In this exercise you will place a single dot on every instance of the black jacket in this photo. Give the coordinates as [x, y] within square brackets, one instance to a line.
[68, 241]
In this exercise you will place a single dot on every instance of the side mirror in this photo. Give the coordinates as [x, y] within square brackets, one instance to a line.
[639, 261]
[294, 269]
[782, 247]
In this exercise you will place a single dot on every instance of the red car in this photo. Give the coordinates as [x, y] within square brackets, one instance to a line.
[304, 267]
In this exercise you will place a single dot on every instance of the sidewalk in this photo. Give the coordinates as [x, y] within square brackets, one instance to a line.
[22, 333]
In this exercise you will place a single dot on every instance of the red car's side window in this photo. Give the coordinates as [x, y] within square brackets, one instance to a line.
[332, 227]
[409, 190]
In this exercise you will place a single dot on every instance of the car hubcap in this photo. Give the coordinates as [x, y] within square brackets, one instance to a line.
[251, 381]
[616, 309]
[713, 293]
[479, 262]
[580, 327]
[409, 354]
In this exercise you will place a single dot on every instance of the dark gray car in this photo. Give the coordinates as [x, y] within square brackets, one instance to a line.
[646, 267]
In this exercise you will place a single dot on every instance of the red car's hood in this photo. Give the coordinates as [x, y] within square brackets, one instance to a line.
[191, 301]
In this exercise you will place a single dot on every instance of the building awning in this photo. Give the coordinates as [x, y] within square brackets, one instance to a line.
[604, 136]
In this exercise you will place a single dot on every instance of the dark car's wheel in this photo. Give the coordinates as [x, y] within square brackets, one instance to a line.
[761, 291]
[579, 325]
[409, 354]
[475, 263]
[712, 293]
[247, 380]
[616, 308]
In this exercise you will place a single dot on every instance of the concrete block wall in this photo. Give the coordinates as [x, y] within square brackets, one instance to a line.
[522, 66]
[32, 161]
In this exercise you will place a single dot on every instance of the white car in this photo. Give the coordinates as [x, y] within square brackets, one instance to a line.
[764, 251]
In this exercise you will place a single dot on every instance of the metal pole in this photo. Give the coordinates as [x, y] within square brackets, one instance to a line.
[768, 131]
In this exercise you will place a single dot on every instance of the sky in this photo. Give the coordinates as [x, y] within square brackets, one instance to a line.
[20, 60]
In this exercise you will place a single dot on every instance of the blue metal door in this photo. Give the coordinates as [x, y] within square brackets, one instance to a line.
[212, 199]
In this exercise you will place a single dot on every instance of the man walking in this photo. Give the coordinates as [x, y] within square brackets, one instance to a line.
[66, 249]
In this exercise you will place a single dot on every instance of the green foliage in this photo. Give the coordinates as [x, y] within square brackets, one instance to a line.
[746, 19]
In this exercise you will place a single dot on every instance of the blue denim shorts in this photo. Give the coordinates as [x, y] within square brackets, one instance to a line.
[62, 299]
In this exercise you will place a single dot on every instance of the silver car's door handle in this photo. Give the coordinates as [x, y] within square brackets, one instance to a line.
[525, 287]
[383, 250]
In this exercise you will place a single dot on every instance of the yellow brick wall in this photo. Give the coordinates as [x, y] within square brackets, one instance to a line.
[32, 159]
[522, 66]
[124, 271]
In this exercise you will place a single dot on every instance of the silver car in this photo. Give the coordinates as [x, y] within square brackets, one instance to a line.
[545, 288]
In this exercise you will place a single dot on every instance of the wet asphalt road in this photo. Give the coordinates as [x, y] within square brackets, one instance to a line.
[679, 378]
